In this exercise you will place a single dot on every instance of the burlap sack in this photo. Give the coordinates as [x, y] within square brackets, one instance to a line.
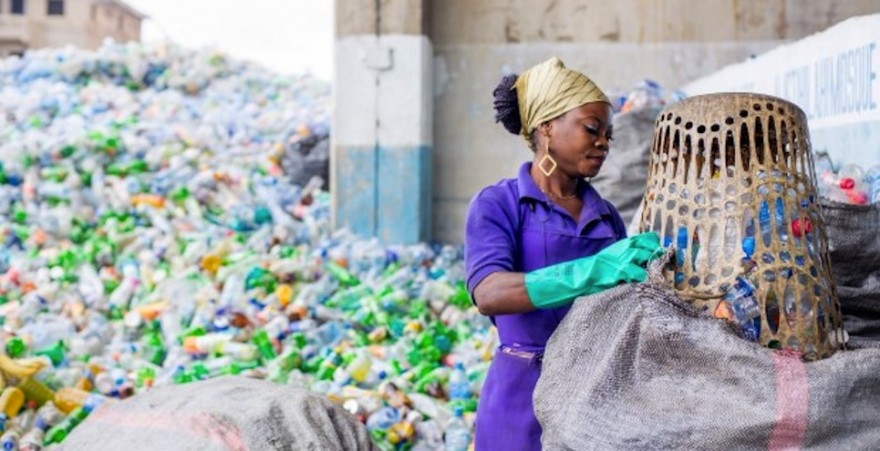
[622, 178]
[636, 367]
[854, 248]
[229, 413]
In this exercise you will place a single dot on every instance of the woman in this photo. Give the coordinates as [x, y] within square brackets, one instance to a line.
[532, 244]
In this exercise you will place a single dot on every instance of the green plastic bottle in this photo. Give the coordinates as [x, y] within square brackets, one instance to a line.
[264, 344]
[342, 275]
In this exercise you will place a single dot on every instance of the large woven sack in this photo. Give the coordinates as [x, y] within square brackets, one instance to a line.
[625, 171]
[854, 249]
[636, 367]
[230, 413]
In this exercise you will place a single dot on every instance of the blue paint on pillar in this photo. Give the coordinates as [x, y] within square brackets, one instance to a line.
[850, 143]
[356, 200]
[404, 208]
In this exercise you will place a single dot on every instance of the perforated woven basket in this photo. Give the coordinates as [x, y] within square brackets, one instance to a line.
[729, 169]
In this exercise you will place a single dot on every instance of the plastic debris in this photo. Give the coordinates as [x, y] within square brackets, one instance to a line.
[151, 236]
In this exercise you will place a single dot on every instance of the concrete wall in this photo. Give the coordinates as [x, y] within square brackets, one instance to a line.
[617, 43]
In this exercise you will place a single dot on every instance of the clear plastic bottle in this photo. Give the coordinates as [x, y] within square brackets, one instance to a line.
[832, 187]
[10, 439]
[872, 181]
[383, 419]
[458, 436]
[32, 440]
[744, 307]
[459, 384]
[843, 188]
[765, 224]
[782, 227]
[681, 244]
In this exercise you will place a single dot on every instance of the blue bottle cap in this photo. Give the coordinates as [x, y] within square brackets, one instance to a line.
[748, 246]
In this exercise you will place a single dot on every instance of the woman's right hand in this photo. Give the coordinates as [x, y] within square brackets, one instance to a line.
[622, 262]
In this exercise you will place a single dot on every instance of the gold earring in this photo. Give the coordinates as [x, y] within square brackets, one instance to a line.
[547, 158]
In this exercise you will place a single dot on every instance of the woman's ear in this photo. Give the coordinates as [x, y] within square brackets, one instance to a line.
[544, 128]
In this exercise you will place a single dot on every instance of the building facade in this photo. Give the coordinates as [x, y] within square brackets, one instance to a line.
[32, 24]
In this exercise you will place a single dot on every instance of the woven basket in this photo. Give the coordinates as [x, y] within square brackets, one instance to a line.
[734, 172]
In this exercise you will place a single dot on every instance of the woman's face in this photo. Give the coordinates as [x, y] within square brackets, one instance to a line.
[579, 139]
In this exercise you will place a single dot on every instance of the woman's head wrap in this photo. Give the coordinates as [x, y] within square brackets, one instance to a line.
[548, 90]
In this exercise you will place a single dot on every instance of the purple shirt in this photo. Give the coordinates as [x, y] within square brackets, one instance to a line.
[513, 227]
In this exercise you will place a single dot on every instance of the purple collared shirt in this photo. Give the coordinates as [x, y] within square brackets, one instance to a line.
[513, 227]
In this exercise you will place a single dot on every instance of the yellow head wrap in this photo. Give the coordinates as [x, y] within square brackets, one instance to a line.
[548, 90]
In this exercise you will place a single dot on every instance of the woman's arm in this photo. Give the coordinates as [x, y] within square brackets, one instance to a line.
[502, 293]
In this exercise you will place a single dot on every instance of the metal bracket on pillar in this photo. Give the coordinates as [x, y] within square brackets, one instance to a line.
[378, 58]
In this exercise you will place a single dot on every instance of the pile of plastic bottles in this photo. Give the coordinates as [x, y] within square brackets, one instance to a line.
[851, 184]
[647, 94]
[150, 237]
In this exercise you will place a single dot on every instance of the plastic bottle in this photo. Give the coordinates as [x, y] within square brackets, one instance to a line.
[26, 418]
[782, 227]
[32, 440]
[681, 242]
[10, 439]
[459, 384]
[67, 399]
[36, 391]
[647, 94]
[205, 344]
[764, 223]
[11, 401]
[872, 181]
[429, 436]
[841, 188]
[47, 416]
[743, 305]
[383, 419]
[264, 345]
[458, 436]
[242, 352]
[359, 368]
[60, 431]
[122, 295]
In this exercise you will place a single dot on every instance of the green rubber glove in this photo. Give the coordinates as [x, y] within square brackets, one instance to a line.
[622, 262]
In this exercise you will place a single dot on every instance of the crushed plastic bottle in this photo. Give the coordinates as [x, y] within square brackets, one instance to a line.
[740, 307]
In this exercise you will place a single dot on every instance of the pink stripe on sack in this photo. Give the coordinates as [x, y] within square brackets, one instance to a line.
[792, 402]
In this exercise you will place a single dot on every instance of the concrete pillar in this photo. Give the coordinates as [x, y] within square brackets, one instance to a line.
[382, 120]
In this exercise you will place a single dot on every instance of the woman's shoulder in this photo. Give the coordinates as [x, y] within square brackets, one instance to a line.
[503, 194]
[502, 191]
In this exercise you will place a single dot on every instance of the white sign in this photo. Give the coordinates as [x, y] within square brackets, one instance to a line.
[831, 75]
